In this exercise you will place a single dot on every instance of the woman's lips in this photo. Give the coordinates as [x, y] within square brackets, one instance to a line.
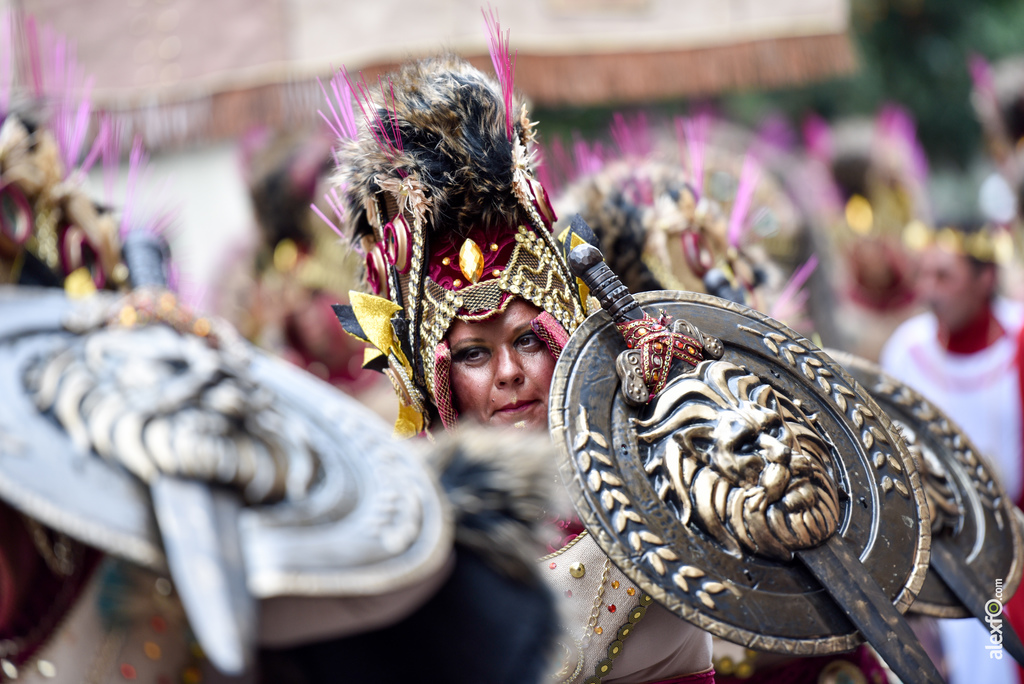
[517, 407]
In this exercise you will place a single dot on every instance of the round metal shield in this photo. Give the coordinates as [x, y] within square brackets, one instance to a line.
[699, 496]
[970, 511]
[372, 521]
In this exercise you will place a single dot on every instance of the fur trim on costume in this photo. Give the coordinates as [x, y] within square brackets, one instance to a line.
[501, 487]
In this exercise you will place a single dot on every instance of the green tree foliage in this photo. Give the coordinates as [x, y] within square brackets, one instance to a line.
[914, 53]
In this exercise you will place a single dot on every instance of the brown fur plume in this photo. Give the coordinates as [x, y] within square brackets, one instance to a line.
[451, 120]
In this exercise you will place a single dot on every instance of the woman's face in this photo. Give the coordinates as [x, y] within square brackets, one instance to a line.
[501, 371]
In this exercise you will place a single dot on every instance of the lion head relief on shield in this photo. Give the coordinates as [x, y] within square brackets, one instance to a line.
[945, 505]
[742, 461]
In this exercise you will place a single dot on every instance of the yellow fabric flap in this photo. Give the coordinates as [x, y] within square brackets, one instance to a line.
[409, 422]
[576, 241]
[371, 353]
[374, 316]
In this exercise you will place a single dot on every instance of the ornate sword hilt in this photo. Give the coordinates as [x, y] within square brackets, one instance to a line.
[587, 263]
[146, 256]
[643, 368]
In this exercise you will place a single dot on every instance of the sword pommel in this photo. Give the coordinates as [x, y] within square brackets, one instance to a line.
[587, 264]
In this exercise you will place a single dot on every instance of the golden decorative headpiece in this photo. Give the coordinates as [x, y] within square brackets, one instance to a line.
[988, 243]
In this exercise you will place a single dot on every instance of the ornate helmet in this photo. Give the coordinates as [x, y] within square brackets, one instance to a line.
[438, 192]
[700, 222]
[52, 233]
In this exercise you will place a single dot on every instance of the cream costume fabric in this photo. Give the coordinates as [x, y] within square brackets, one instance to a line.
[610, 628]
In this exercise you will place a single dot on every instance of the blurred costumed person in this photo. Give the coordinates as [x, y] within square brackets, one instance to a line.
[67, 612]
[471, 303]
[698, 226]
[859, 185]
[710, 219]
[961, 355]
[278, 291]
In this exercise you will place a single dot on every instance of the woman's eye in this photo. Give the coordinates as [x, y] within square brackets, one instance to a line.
[471, 356]
[529, 343]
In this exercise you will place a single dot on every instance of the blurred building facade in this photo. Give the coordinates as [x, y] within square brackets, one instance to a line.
[193, 76]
